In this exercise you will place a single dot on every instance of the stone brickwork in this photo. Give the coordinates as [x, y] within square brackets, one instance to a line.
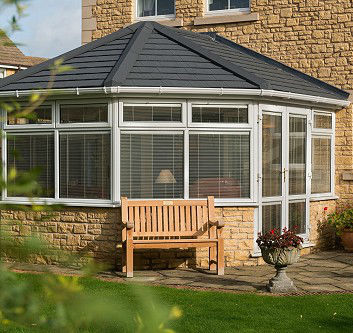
[96, 233]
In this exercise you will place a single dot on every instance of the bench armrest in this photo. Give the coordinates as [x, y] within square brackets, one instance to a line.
[129, 225]
[217, 222]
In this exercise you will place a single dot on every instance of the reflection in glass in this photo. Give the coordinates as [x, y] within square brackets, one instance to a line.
[297, 217]
[271, 217]
[297, 155]
[321, 165]
[271, 155]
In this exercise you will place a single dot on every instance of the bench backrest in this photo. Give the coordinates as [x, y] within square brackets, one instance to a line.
[163, 218]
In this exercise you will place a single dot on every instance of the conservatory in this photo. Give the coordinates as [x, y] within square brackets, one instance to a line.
[153, 112]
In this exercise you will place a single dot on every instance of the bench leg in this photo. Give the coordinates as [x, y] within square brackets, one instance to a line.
[213, 258]
[213, 250]
[123, 257]
[220, 253]
[129, 254]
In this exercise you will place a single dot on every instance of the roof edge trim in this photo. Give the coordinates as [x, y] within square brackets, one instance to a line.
[116, 90]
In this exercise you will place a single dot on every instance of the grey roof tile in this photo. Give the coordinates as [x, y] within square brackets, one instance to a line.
[149, 54]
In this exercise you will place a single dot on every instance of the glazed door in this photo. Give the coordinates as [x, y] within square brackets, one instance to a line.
[284, 177]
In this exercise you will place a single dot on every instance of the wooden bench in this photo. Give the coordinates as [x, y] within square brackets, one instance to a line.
[166, 224]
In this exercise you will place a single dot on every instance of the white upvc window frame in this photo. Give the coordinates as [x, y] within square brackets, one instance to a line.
[224, 104]
[226, 201]
[155, 17]
[152, 124]
[228, 11]
[32, 126]
[84, 125]
[325, 133]
[56, 129]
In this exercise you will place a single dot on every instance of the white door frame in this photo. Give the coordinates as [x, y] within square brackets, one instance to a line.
[285, 198]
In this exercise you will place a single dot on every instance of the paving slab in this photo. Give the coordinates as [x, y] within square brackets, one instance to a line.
[327, 272]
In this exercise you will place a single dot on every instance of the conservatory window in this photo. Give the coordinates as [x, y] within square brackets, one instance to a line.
[219, 165]
[152, 165]
[31, 152]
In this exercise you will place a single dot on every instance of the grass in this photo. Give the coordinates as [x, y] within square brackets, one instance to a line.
[226, 312]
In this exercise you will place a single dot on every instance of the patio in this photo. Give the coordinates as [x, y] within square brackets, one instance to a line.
[324, 272]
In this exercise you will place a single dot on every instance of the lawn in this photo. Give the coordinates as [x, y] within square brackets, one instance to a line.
[226, 312]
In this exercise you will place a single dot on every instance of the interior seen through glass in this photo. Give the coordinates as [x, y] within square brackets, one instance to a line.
[81, 113]
[211, 114]
[42, 115]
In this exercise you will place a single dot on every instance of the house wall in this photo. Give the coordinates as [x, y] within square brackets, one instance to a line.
[313, 36]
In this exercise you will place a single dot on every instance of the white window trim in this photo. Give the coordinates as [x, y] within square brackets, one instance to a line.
[154, 17]
[223, 104]
[33, 126]
[152, 124]
[56, 129]
[83, 125]
[226, 11]
[2, 72]
[325, 133]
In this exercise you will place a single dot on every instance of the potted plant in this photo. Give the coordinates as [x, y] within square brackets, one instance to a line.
[280, 249]
[343, 224]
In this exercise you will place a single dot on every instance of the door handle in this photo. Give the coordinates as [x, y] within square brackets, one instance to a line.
[284, 174]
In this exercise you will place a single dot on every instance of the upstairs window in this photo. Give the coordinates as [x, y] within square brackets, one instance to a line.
[240, 5]
[146, 8]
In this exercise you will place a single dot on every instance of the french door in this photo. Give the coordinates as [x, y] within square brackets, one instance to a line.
[284, 177]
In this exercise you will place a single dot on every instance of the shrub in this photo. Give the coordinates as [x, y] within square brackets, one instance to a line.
[341, 220]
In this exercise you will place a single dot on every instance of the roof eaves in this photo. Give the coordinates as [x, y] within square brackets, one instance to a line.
[237, 70]
[278, 64]
[128, 58]
[66, 56]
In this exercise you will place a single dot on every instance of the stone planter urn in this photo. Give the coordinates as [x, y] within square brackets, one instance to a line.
[280, 258]
[347, 240]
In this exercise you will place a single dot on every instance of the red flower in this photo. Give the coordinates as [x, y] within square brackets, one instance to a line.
[325, 208]
[272, 231]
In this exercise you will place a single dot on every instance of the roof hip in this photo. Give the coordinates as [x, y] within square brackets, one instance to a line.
[237, 70]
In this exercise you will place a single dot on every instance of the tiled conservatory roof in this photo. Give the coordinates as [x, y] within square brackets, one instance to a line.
[147, 54]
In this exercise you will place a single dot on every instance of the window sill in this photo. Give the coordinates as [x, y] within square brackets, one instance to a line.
[169, 22]
[324, 198]
[226, 18]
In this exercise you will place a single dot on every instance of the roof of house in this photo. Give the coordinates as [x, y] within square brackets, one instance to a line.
[148, 54]
[11, 55]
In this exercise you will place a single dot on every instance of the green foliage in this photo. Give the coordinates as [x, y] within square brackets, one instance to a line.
[341, 220]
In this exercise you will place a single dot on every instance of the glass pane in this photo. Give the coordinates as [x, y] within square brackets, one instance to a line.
[271, 155]
[239, 4]
[321, 165]
[85, 166]
[297, 217]
[42, 115]
[146, 8]
[29, 152]
[219, 165]
[150, 113]
[152, 166]
[76, 113]
[165, 7]
[207, 114]
[271, 217]
[217, 4]
[323, 121]
[297, 155]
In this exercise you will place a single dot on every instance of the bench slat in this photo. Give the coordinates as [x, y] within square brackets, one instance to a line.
[161, 203]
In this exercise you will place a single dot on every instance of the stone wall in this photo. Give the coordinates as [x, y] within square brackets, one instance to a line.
[96, 233]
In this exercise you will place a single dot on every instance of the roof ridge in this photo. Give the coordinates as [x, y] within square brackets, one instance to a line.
[225, 41]
[128, 58]
[69, 55]
[194, 47]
